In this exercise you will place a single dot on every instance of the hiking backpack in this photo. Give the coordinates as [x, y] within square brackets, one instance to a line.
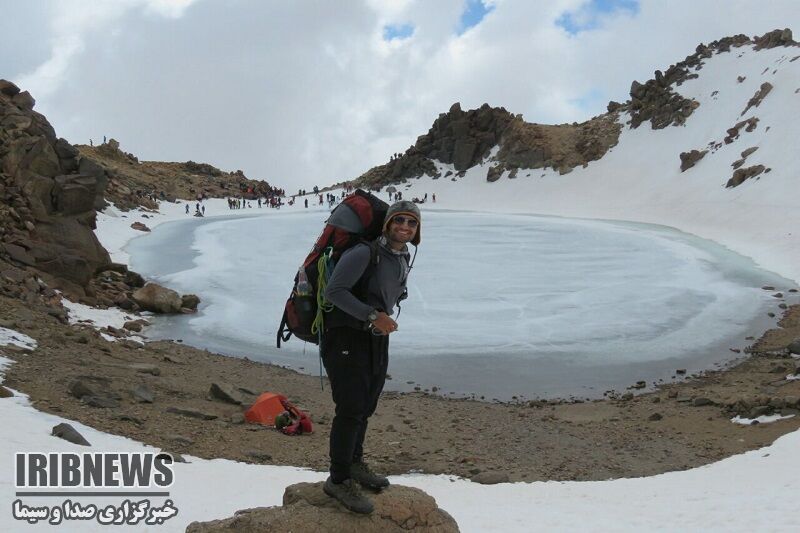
[359, 218]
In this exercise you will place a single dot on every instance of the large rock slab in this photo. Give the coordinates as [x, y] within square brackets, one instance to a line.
[306, 508]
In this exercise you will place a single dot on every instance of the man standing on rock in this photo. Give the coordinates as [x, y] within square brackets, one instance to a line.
[367, 283]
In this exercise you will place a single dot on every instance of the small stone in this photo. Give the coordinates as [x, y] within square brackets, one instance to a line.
[5, 393]
[490, 478]
[655, 417]
[129, 418]
[191, 413]
[257, 455]
[700, 402]
[181, 440]
[143, 394]
[627, 396]
[102, 402]
[681, 371]
[146, 368]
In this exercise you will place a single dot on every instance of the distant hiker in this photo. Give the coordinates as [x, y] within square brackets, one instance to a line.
[104, 139]
[259, 202]
[91, 143]
[433, 197]
[187, 209]
[355, 346]
[306, 202]
[203, 210]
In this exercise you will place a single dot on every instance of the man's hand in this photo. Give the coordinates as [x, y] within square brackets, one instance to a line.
[384, 324]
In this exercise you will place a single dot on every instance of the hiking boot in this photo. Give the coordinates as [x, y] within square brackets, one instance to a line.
[349, 495]
[362, 473]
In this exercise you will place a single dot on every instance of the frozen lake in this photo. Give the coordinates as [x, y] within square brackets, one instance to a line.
[499, 305]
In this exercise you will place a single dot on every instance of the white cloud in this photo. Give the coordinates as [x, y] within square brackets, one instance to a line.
[300, 93]
[70, 22]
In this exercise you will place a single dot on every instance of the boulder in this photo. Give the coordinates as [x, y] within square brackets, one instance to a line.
[140, 226]
[143, 394]
[69, 433]
[134, 325]
[7, 88]
[307, 508]
[794, 346]
[190, 301]
[494, 173]
[158, 299]
[24, 100]
[5, 393]
[134, 279]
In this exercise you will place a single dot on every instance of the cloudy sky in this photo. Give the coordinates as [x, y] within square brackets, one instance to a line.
[311, 92]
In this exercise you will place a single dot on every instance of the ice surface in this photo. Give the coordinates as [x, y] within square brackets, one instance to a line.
[506, 293]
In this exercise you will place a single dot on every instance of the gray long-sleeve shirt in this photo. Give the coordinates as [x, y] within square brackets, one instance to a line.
[384, 288]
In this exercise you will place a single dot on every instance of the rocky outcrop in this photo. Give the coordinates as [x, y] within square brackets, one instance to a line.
[47, 197]
[132, 183]
[761, 93]
[775, 38]
[742, 174]
[306, 508]
[461, 138]
[690, 159]
[561, 147]
[745, 154]
[465, 138]
[657, 102]
[749, 125]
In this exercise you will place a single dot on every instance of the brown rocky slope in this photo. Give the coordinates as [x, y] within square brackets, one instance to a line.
[132, 182]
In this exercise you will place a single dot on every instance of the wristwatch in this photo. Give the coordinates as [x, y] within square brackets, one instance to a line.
[372, 316]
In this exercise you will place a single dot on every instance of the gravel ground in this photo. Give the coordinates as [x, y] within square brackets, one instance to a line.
[678, 426]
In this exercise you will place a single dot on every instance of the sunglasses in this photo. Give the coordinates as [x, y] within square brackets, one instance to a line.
[400, 220]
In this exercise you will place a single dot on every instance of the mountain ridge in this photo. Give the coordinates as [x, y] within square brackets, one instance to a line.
[466, 138]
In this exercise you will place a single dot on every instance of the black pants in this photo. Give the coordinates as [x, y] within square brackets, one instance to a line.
[356, 363]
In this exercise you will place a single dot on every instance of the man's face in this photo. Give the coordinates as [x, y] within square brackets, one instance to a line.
[403, 228]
